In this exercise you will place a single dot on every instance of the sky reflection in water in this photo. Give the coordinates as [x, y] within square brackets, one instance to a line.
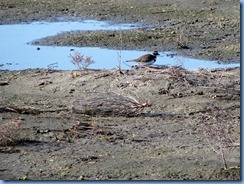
[17, 54]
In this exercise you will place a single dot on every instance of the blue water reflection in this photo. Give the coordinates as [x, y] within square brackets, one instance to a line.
[17, 54]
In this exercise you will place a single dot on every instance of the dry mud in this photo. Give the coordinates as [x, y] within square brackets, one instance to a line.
[141, 124]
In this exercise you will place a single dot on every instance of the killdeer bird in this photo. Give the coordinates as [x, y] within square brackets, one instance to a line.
[147, 59]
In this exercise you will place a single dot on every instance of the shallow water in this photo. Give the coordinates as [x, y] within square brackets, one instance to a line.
[17, 54]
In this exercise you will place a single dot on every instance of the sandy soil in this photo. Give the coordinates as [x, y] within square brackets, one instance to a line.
[146, 123]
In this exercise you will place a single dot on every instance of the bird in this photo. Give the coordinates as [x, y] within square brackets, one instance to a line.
[147, 59]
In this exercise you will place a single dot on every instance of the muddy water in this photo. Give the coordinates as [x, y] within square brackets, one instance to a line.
[18, 54]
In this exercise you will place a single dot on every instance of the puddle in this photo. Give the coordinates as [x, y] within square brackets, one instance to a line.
[16, 54]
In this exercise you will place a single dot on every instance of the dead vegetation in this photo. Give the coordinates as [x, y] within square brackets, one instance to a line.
[181, 38]
[110, 103]
[219, 130]
[77, 130]
[180, 83]
[80, 61]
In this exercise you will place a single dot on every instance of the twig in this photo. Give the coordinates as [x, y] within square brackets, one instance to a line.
[119, 52]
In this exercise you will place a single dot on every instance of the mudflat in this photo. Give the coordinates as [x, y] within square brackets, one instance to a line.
[140, 124]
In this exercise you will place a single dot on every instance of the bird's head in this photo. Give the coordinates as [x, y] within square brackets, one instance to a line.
[155, 53]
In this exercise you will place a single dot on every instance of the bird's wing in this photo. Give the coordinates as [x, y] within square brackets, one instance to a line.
[145, 58]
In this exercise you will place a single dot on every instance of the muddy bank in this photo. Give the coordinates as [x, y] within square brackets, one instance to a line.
[145, 124]
[209, 29]
[162, 39]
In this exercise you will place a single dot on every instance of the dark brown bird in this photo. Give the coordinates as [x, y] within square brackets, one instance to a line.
[147, 59]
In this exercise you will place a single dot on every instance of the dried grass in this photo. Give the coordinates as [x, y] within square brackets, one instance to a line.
[110, 103]
[219, 130]
[80, 61]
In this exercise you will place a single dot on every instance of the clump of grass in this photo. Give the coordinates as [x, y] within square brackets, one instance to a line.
[9, 133]
[80, 61]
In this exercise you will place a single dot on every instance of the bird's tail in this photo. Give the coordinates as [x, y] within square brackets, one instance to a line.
[130, 61]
